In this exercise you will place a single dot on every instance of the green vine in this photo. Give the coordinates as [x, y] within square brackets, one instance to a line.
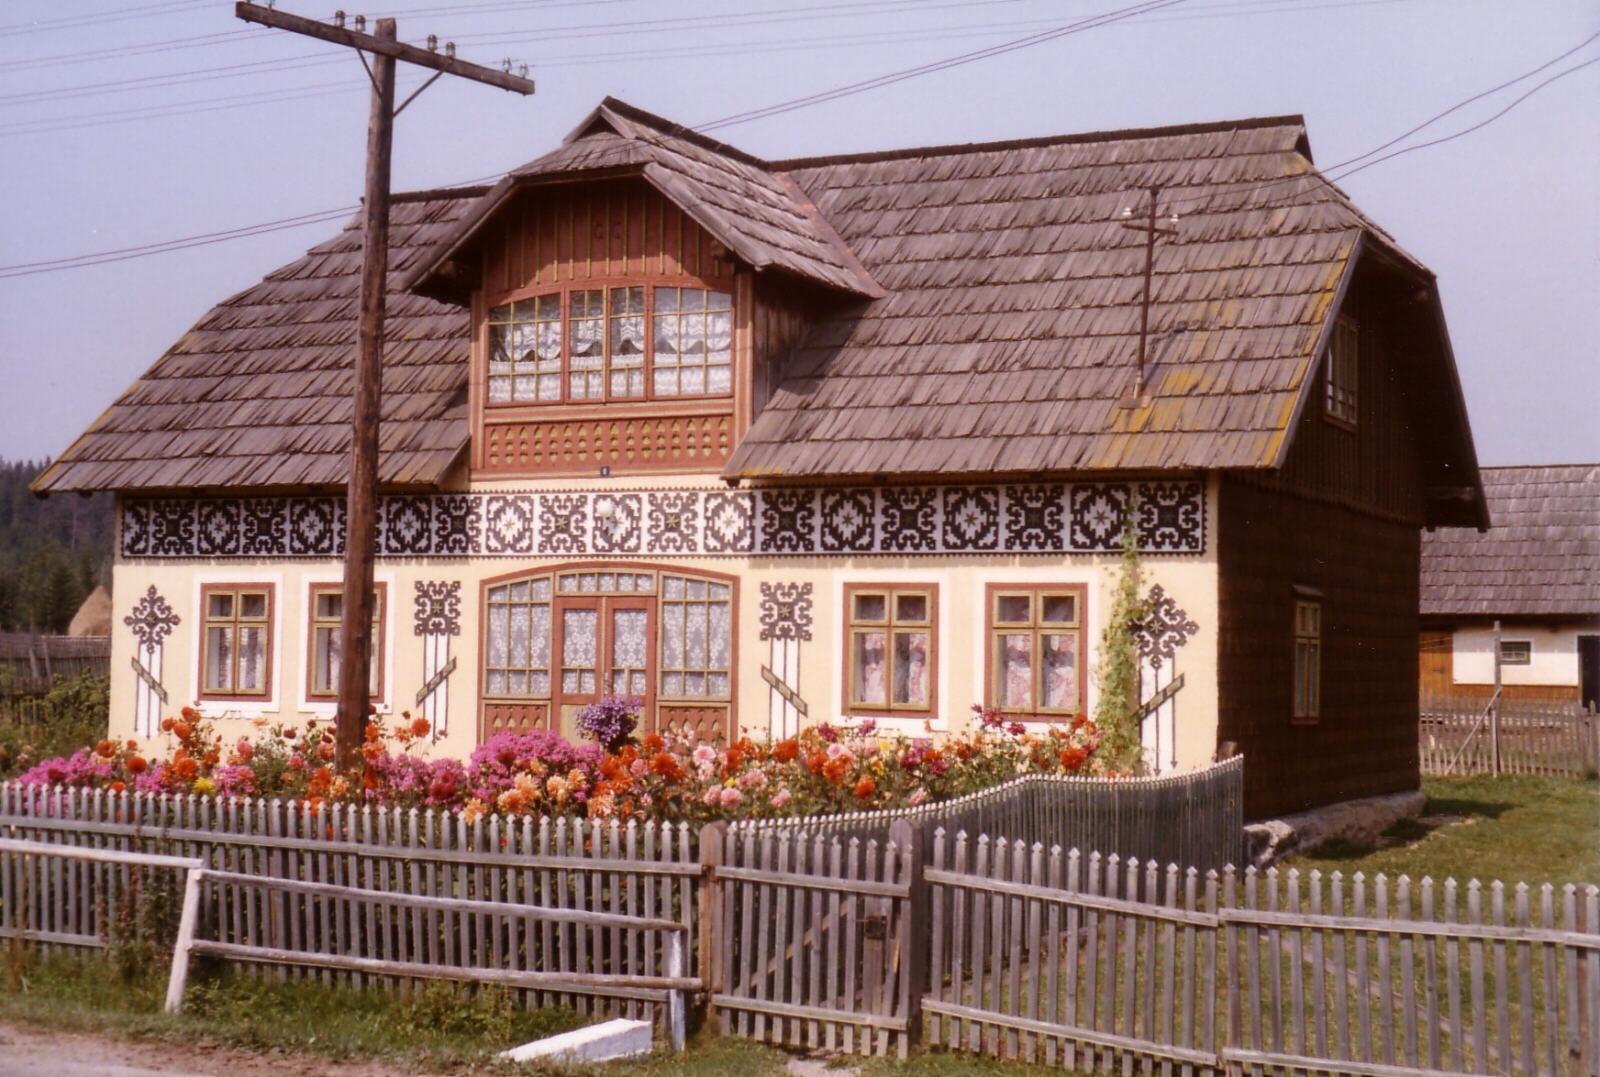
[1117, 664]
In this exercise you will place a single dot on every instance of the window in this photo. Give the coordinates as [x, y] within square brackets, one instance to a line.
[236, 641]
[1339, 398]
[890, 649]
[626, 343]
[1036, 649]
[327, 613]
[1516, 652]
[1307, 659]
[621, 631]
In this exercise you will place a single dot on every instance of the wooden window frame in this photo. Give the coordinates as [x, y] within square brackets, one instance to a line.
[1341, 385]
[994, 628]
[1524, 659]
[1305, 685]
[656, 596]
[889, 625]
[268, 670]
[380, 591]
[605, 286]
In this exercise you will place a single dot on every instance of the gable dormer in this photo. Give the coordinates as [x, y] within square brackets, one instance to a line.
[613, 288]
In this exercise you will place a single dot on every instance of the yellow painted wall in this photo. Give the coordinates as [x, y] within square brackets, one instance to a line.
[1189, 579]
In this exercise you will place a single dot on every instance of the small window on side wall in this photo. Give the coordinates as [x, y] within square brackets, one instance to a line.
[327, 649]
[1340, 384]
[236, 641]
[890, 648]
[1516, 652]
[1307, 659]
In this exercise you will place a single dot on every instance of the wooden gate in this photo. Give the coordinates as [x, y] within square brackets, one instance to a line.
[814, 940]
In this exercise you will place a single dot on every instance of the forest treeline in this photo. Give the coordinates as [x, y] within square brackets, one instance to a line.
[53, 551]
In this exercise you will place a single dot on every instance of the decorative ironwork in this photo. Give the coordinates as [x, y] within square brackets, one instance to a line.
[152, 619]
[786, 611]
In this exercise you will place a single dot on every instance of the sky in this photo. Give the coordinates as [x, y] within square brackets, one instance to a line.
[135, 123]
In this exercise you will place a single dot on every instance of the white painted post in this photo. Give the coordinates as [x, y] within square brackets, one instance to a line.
[675, 1002]
[180, 951]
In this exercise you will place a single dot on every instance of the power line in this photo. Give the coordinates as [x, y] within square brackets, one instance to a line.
[67, 22]
[96, 258]
[975, 55]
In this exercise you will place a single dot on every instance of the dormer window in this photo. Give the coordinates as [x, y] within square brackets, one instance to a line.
[640, 342]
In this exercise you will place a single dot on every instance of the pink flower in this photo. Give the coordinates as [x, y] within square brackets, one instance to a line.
[781, 798]
[731, 797]
[712, 797]
[638, 768]
[868, 727]
[839, 751]
[918, 796]
[705, 754]
[753, 779]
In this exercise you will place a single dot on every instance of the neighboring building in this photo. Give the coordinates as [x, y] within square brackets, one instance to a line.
[1537, 573]
[94, 616]
[767, 443]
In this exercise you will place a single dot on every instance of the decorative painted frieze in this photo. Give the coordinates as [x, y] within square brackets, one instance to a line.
[1041, 518]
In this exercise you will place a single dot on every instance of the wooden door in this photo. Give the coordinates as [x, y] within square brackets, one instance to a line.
[603, 645]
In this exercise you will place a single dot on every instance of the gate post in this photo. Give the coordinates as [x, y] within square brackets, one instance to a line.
[712, 930]
[914, 940]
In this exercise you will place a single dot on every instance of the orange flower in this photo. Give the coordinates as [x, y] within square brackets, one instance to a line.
[785, 750]
[166, 725]
[1072, 758]
[185, 768]
[132, 744]
[834, 769]
[420, 727]
[182, 730]
[372, 732]
[666, 765]
[211, 759]
[653, 744]
[190, 713]
[325, 750]
[732, 761]
[105, 748]
[136, 765]
[119, 787]
[816, 761]
[865, 787]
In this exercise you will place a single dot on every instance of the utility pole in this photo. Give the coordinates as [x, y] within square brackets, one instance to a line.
[1137, 398]
[355, 627]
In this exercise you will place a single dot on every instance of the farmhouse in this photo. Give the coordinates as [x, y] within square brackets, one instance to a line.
[766, 443]
[1537, 574]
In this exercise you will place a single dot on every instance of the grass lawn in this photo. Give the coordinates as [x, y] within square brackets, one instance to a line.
[1514, 828]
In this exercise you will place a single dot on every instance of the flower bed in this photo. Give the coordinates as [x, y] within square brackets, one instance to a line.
[825, 769]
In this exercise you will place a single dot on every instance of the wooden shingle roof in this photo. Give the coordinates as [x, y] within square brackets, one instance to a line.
[1541, 557]
[1011, 324]
[758, 214]
[259, 393]
[979, 315]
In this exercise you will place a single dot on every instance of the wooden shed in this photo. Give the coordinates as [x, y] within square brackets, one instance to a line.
[766, 443]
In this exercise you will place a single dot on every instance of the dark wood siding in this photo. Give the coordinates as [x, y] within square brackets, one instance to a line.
[1365, 567]
[1374, 465]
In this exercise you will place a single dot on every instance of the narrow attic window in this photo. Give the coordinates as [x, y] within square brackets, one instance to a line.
[1339, 398]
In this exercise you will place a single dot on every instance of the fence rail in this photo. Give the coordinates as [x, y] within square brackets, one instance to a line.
[1458, 735]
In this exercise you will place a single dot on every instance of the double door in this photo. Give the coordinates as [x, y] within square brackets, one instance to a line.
[604, 645]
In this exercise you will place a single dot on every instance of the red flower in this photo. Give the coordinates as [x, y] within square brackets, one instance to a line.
[185, 768]
[666, 764]
[785, 750]
[834, 770]
[653, 744]
[866, 787]
[105, 748]
[136, 765]
[420, 727]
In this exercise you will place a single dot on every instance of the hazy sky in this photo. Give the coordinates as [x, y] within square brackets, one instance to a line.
[142, 121]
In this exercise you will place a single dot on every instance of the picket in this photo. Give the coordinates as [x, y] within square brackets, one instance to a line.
[1541, 737]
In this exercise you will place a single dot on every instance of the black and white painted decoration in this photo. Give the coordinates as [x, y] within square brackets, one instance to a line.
[437, 617]
[785, 624]
[152, 620]
[1163, 631]
[1041, 518]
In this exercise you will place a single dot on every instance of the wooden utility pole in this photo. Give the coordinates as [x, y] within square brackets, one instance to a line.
[361, 531]
[1137, 398]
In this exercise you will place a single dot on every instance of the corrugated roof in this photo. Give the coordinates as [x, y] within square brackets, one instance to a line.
[1541, 556]
[259, 392]
[1011, 325]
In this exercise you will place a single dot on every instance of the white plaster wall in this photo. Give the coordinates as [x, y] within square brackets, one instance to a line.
[1554, 658]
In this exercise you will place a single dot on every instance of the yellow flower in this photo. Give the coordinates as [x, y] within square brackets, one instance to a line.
[205, 786]
[472, 811]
